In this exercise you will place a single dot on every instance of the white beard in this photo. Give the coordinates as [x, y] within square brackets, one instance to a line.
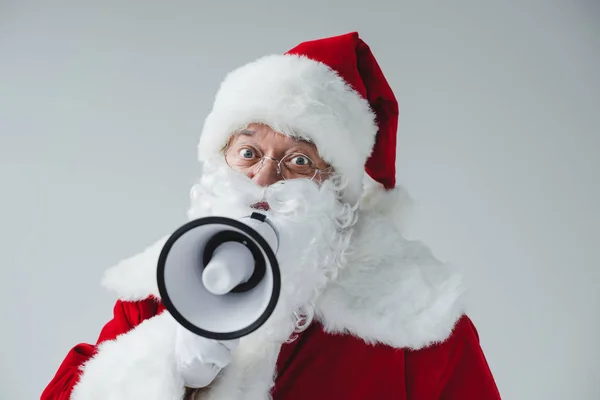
[314, 228]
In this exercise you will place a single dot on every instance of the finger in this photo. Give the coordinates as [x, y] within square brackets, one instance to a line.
[230, 344]
[218, 355]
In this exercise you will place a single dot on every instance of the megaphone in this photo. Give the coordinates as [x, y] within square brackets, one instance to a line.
[219, 277]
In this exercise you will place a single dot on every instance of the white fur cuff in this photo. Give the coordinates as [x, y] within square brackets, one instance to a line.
[137, 365]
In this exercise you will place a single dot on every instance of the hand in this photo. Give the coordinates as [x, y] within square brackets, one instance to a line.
[198, 359]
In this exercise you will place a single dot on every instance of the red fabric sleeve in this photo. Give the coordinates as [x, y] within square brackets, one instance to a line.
[467, 375]
[126, 316]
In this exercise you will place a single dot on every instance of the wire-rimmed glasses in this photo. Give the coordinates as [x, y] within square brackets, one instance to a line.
[248, 159]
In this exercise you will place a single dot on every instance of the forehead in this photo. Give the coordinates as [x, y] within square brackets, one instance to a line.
[266, 136]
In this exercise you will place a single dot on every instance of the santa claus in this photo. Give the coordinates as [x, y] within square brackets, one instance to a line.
[309, 138]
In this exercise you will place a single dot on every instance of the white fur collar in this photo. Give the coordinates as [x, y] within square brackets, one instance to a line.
[391, 291]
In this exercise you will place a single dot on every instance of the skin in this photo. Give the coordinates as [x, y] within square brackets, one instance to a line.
[276, 145]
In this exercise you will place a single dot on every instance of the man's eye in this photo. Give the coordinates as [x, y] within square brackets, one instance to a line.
[246, 153]
[300, 161]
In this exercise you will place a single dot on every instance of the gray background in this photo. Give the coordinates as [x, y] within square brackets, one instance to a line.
[101, 105]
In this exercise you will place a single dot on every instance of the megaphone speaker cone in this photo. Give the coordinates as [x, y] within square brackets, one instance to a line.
[218, 277]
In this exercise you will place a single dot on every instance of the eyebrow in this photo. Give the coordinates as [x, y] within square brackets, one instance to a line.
[250, 132]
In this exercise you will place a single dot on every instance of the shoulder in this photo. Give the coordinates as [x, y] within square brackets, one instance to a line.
[134, 278]
[391, 290]
[139, 310]
[439, 357]
[456, 367]
[128, 314]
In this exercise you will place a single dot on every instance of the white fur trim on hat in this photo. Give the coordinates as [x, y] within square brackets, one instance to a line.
[299, 97]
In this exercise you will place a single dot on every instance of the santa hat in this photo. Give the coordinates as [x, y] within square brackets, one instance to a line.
[331, 92]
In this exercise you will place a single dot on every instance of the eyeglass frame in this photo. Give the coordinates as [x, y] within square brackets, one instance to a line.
[263, 157]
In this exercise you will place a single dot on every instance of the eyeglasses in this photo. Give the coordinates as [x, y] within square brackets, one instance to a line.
[249, 160]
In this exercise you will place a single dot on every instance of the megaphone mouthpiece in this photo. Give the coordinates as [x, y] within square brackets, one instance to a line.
[231, 265]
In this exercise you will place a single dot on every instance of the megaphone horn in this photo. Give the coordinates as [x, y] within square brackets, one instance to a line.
[219, 277]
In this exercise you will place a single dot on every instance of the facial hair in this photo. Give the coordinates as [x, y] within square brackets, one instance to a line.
[314, 229]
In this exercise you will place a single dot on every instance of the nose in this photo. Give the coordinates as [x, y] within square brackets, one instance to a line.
[267, 174]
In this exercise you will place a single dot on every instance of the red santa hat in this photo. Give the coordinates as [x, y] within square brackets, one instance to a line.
[329, 91]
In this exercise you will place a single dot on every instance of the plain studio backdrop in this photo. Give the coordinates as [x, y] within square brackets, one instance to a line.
[102, 104]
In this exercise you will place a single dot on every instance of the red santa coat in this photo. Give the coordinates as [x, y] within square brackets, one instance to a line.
[391, 326]
[319, 365]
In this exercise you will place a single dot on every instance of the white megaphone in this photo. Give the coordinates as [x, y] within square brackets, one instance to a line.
[219, 277]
